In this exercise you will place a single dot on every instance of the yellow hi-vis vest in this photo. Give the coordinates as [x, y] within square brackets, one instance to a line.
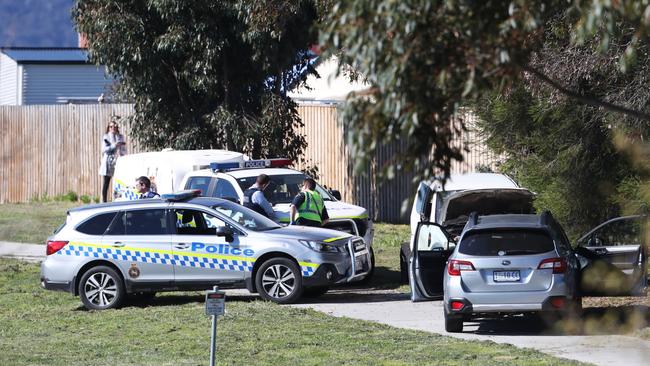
[312, 207]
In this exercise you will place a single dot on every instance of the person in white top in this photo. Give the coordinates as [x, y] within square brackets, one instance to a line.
[113, 146]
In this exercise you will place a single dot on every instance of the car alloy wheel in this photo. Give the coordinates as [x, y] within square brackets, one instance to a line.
[279, 280]
[101, 288]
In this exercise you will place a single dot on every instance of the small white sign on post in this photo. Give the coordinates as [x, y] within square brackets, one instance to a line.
[215, 305]
[215, 302]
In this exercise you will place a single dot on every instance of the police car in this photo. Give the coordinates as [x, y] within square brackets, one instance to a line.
[183, 242]
[229, 180]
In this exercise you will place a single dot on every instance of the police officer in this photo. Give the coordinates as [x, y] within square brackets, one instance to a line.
[309, 206]
[255, 200]
[143, 186]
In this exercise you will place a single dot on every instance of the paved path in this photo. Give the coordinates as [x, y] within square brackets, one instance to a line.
[395, 309]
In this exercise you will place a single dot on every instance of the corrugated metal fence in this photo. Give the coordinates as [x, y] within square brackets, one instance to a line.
[49, 150]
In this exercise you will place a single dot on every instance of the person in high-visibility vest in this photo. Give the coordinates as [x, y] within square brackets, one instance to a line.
[308, 208]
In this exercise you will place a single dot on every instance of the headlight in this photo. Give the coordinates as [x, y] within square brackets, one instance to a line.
[321, 247]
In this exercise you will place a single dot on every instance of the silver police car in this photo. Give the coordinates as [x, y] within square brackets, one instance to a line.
[182, 242]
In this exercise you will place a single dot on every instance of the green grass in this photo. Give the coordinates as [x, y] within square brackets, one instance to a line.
[387, 242]
[32, 222]
[43, 327]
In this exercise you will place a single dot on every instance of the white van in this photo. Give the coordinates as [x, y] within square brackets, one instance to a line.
[166, 169]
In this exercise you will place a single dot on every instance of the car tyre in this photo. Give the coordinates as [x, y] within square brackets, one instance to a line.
[279, 280]
[315, 291]
[403, 263]
[101, 288]
[453, 324]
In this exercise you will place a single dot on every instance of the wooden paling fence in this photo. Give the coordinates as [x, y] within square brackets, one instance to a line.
[48, 150]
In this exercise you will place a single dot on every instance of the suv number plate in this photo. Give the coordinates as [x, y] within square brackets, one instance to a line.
[506, 276]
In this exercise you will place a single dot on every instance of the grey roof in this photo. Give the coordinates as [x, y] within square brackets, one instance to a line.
[46, 55]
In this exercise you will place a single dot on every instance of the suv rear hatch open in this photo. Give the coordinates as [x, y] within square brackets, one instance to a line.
[456, 207]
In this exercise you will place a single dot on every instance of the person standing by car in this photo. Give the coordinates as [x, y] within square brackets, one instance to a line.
[113, 146]
[143, 185]
[255, 200]
[309, 207]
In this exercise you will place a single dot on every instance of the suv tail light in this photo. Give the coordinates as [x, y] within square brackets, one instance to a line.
[54, 246]
[558, 265]
[455, 267]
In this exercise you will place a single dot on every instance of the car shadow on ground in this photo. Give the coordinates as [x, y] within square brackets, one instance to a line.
[592, 321]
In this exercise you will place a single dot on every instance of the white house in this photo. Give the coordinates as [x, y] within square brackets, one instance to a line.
[50, 76]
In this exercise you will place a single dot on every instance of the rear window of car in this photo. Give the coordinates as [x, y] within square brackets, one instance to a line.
[506, 242]
[96, 225]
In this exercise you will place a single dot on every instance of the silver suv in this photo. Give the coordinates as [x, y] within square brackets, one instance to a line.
[181, 242]
[502, 264]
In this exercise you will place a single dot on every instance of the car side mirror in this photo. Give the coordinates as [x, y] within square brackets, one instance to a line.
[226, 232]
[336, 194]
[594, 241]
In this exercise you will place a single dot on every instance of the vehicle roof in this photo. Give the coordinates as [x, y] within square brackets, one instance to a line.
[457, 182]
[203, 201]
[245, 173]
[202, 157]
[509, 221]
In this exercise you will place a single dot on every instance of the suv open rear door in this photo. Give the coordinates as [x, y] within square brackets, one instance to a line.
[431, 249]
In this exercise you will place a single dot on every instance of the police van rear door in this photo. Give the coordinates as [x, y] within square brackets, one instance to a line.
[202, 256]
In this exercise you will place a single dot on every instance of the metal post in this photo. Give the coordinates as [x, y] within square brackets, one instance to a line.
[213, 338]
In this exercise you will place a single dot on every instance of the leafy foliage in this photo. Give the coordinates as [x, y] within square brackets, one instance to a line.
[426, 59]
[567, 152]
[205, 74]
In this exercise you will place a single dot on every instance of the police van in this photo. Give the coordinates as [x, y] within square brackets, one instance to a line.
[165, 169]
[229, 180]
[105, 252]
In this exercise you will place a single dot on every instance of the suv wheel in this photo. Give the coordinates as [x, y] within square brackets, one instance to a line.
[101, 288]
[453, 324]
[279, 280]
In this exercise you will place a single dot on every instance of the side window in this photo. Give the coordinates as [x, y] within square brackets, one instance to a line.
[145, 222]
[224, 190]
[193, 222]
[621, 232]
[96, 225]
[202, 183]
[117, 226]
[431, 238]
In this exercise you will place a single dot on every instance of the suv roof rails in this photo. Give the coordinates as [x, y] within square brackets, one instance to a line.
[473, 218]
[545, 217]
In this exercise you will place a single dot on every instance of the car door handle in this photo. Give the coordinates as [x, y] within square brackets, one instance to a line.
[181, 245]
[600, 251]
[118, 244]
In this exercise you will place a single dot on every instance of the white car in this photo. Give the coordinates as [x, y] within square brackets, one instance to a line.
[230, 180]
[450, 205]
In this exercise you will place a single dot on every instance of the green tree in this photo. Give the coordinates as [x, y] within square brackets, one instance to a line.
[427, 59]
[564, 151]
[205, 74]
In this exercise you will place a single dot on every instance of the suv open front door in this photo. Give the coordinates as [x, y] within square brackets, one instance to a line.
[614, 258]
[431, 249]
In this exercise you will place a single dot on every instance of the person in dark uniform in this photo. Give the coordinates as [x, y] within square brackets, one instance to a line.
[143, 186]
[308, 208]
[255, 200]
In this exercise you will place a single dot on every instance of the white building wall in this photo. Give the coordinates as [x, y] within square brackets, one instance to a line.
[8, 81]
[53, 84]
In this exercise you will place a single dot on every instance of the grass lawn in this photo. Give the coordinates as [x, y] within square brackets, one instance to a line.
[44, 327]
[32, 222]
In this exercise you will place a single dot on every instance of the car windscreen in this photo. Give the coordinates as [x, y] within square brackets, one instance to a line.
[283, 188]
[245, 217]
[506, 242]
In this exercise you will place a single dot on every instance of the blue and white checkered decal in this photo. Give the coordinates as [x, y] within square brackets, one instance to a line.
[127, 192]
[181, 259]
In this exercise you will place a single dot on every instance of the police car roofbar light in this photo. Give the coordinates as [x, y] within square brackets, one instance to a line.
[181, 195]
[261, 163]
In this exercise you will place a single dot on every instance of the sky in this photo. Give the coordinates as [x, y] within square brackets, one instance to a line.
[36, 23]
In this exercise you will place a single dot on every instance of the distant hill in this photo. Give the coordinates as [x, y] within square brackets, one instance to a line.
[36, 23]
